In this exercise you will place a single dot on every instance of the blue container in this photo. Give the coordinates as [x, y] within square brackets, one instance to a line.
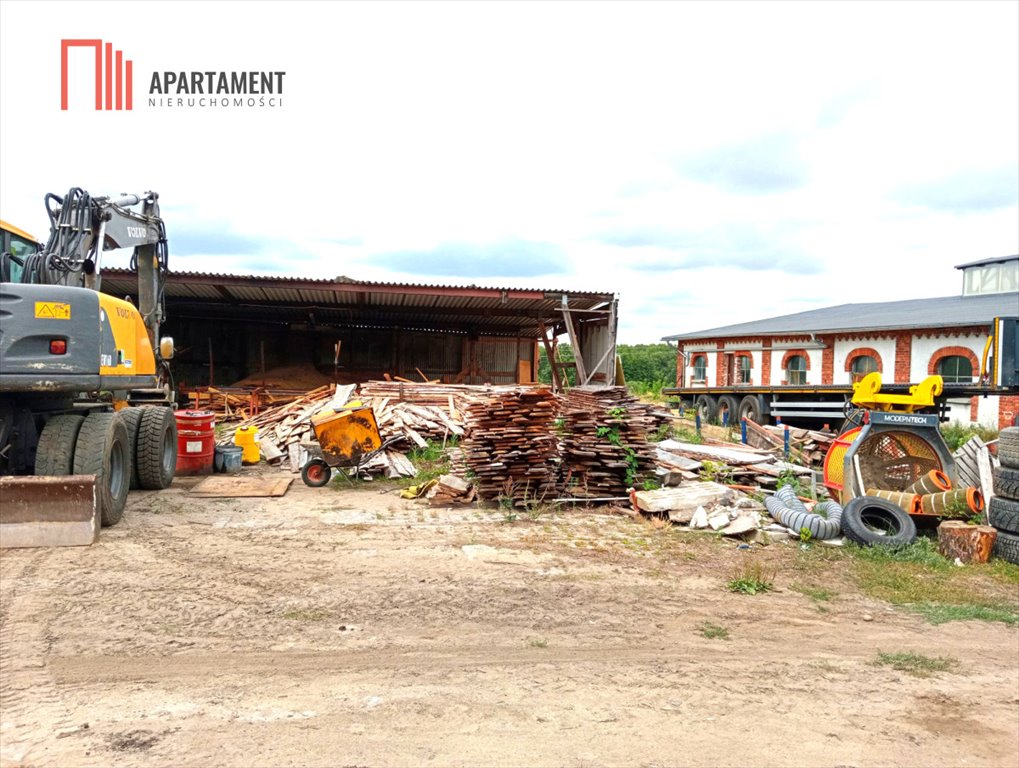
[227, 458]
[232, 455]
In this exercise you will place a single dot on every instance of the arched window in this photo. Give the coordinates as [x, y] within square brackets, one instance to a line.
[743, 369]
[796, 370]
[955, 369]
[862, 365]
[700, 367]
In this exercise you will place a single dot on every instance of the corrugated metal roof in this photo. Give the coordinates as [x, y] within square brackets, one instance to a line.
[279, 299]
[950, 311]
[982, 262]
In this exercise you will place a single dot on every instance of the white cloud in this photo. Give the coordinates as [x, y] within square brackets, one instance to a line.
[409, 125]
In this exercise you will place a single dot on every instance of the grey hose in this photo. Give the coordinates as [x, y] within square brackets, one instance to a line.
[790, 512]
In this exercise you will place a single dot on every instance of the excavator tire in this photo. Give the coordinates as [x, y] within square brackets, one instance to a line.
[103, 451]
[54, 454]
[156, 453]
[132, 417]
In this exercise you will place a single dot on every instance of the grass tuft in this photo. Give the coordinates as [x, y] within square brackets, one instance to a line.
[713, 631]
[751, 578]
[916, 664]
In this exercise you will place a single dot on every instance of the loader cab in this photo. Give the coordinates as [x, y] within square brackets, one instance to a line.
[15, 246]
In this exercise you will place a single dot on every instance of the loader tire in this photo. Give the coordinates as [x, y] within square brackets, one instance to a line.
[157, 448]
[54, 454]
[132, 417]
[1008, 447]
[103, 451]
[1006, 482]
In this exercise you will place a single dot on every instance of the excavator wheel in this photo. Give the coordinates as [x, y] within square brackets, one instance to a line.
[156, 453]
[54, 454]
[132, 417]
[103, 450]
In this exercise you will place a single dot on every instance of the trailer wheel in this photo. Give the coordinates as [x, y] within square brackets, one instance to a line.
[54, 454]
[103, 451]
[316, 473]
[750, 409]
[871, 521]
[727, 404]
[157, 448]
[132, 417]
[706, 406]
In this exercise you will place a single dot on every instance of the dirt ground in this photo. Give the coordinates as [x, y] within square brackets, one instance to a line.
[352, 628]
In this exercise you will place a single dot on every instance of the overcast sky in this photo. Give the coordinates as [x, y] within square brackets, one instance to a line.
[712, 163]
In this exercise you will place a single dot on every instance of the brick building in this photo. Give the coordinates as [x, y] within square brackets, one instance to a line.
[905, 340]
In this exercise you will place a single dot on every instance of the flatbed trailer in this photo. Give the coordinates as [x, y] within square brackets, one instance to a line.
[815, 405]
[807, 405]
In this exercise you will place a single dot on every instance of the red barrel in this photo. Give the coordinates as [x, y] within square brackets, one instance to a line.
[196, 442]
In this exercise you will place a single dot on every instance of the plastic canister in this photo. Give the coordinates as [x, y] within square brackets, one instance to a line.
[196, 442]
[247, 439]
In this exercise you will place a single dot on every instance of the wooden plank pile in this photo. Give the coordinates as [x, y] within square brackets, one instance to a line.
[605, 447]
[806, 446]
[510, 446]
[450, 490]
[239, 403]
[729, 463]
[284, 430]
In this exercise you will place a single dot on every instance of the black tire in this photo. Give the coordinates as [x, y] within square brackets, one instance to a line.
[102, 450]
[1003, 514]
[1006, 547]
[1006, 482]
[132, 417]
[728, 404]
[707, 406]
[54, 453]
[1008, 447]
[870, 521]
[750, 409]
[157, 448]
[316, 473]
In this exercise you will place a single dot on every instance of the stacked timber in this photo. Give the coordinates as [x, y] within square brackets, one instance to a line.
[510, 446]
[605, 447]
[452, 398]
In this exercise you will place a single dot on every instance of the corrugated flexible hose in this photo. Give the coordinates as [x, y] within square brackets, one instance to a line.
[790, 512]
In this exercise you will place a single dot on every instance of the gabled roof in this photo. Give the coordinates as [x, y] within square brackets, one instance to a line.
[947, 312]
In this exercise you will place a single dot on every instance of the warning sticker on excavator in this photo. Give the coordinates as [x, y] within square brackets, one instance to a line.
[52, 310]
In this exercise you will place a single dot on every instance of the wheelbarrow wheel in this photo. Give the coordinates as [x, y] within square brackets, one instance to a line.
[315, 473]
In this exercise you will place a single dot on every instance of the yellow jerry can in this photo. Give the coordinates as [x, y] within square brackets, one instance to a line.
[247, 439]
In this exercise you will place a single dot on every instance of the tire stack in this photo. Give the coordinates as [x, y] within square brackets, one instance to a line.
[1003, 508]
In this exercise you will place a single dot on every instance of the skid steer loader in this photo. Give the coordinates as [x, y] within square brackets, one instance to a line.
[86, 398]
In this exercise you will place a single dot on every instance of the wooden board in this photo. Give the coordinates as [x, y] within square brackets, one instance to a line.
[238, 487]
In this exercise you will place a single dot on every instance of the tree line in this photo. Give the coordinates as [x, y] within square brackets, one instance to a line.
[647, 367]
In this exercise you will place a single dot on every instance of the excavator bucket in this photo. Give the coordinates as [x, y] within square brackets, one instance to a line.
[50, 511]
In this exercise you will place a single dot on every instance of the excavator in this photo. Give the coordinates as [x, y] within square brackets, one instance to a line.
[86, 397]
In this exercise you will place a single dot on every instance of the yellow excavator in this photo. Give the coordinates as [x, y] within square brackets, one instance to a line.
[86, 397]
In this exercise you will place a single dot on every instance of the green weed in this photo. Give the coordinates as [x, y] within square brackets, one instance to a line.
[916, 664]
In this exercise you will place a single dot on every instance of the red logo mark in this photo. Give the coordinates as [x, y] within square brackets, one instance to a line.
[114, 62]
